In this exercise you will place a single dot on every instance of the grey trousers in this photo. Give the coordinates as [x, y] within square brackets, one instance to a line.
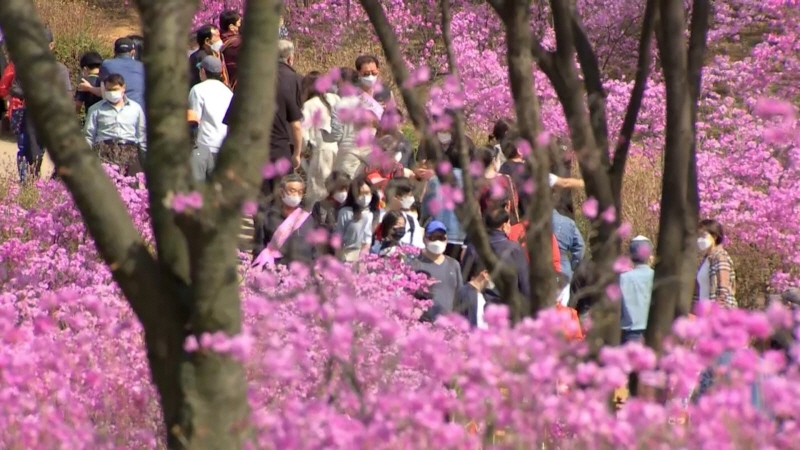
[202, 163]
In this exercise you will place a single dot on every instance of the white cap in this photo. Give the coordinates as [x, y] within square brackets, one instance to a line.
[640, 238]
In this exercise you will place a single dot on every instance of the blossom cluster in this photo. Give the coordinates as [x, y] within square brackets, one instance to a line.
[336, 360]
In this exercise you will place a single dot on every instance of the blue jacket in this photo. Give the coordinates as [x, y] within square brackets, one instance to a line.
[455, 232]
[570, 242]
[133, 73]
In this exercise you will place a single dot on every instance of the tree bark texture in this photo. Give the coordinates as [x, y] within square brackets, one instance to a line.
[191, 287]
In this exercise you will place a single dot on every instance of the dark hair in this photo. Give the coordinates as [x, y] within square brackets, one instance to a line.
[337, 181]
[501, 127]
[508, 145]
[92, 60]
[389, 221]
[713, 228]
[138, 45]
[452, 153]
[348, 75]
[228, 18]
[583, 278]
[485, 155]
[114, 79]
[398, 187]
[353, 194]
[476, 266]
[496, 218]
[309, 89]
[204, 33]
[366, 59]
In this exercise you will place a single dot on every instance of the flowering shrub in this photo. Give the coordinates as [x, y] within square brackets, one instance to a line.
[336, 360]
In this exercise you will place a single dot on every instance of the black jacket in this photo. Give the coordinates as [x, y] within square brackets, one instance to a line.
[296, 248]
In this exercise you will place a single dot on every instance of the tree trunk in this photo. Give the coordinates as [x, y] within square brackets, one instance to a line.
[192, 288]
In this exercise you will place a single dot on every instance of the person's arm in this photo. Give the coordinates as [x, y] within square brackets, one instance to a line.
[90, 127]
[294, 115]
[577, 248]
[259, 234]
[85, 86]
[345, 215]
[556, 254]
[196, 103]
[368, 234]
[141, 131]
[521, 262]
[337, 129]
[566, 183]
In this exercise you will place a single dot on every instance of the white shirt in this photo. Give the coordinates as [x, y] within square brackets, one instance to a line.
[413, 239]
[210, 100]
[481, 305]
[704, 281]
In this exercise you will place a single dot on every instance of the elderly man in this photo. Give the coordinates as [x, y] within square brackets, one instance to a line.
[637, 286]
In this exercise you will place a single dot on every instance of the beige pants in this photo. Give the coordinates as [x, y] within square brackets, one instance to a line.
[319, 169]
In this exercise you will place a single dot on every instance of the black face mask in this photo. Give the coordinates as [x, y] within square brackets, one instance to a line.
[397, 233]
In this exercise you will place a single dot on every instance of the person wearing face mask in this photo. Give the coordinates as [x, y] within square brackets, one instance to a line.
[355, 221]
[368, 68]
[124, 64]
[115, 127]
[282, 229]
[637, 287]
[390, 232]
[716, 277]
[326, 211]
[209, 43]
[399, 194]
[209, 100]
[470, 301]
[230, 25]
[445, 271]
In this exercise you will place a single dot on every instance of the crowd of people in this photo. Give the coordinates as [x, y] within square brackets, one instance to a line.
[379, 202]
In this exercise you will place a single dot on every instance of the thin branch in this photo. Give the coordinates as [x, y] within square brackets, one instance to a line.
[637, 94]
[391, 47]
[593, 81]
[698, 36]
[95, 195]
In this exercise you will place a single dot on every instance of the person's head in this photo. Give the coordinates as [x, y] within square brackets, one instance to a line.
[308, 88]
[393, 226]
[208, 38]
[286, 52]
[453, 155]
[501, 127]
[479, 274]
[210, 68]
[114, 89]
[90, 62]
[292, 190]
[399, 194]
[497, 219]
[50, 40]
[337, 185]
[362, 196]
[368, 68]
[230, 21]
[192, 44]
[138, 45]
[710, 235]
[485, 155]
[435, 238]
[641, 250]
[508, 145]
[348, 76]
[124, 47]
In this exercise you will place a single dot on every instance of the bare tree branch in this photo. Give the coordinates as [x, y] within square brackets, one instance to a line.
[594, 85]
[416, 110]
[637, 94]
[516, 15]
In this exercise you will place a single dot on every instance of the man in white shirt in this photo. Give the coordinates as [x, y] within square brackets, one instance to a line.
[209, 100]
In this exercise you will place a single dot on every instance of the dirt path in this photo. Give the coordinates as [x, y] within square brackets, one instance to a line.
[8, 160]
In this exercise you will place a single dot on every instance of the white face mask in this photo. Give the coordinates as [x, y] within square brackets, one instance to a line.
[340, 196]
[398, 156]
[703, 243]
[113, 96]
[444, 138]
[216, 46]
[369, 80]
[407, 202]
[364, 200]
[292, 200]
[436, 247]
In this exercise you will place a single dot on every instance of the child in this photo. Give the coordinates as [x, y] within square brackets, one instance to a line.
[90, 71]
[470, 301]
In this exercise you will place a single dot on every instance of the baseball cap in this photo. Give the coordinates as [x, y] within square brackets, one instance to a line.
[435, 226]
[123, 45]
[790, 297]
[211, 64]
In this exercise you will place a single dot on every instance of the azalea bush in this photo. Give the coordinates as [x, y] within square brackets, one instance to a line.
[336, 360]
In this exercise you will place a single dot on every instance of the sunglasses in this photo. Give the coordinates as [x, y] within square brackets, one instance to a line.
[437, 237]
